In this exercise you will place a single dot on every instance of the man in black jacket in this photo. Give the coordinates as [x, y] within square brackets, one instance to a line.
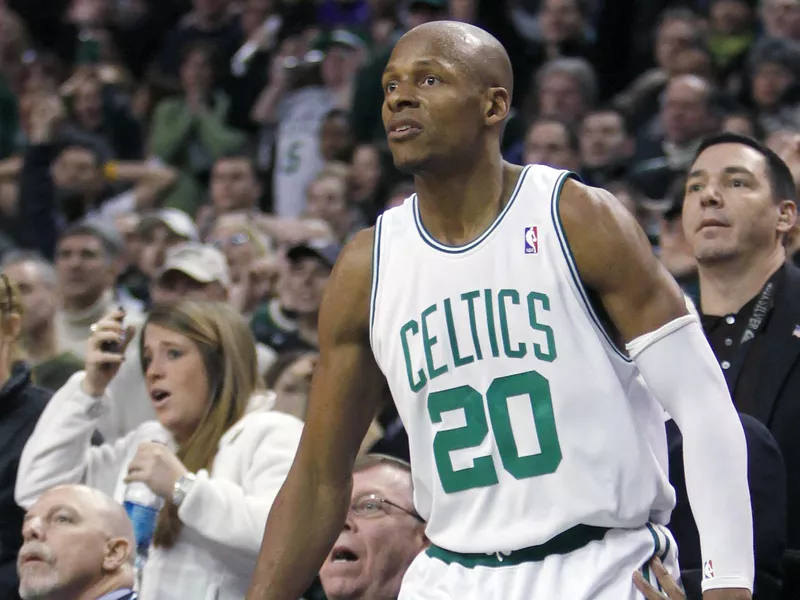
[21, 403]
[766, 475]
[740, 203]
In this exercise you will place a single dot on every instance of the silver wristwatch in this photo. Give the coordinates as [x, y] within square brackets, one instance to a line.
[182, 487]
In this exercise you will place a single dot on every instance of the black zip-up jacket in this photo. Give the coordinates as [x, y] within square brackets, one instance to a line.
[21, 403]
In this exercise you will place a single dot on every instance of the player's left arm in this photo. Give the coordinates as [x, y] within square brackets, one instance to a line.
[647, 308]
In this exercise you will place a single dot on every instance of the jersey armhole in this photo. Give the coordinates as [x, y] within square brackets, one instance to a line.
[583, 291]
[376, 264]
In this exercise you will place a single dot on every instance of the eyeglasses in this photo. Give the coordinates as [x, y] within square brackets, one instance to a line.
[237, 239]
[370, 506]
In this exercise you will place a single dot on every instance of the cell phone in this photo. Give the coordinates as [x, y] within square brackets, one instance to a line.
[113, 347]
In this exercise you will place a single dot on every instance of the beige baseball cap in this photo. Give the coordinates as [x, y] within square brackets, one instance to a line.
[177, 221]
[201, 262]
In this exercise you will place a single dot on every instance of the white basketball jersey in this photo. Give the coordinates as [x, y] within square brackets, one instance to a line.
[523, 418]
[298, 159]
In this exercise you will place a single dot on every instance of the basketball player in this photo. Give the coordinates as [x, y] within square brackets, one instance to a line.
[511, 311]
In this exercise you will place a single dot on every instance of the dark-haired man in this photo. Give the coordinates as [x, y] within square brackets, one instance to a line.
[87, 263]
[606, 145]
[740, 203]
[234, 184]
[62, 181]
[553, 143]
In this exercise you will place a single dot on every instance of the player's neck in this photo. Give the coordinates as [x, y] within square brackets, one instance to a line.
[458, 207]
[725, 287]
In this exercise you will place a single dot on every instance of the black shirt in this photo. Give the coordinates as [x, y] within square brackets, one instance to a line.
[21, 403]
[725, 333]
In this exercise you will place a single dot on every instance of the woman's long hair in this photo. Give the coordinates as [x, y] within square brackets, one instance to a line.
[229, 355]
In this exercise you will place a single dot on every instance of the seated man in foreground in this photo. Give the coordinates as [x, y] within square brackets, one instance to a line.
[79, 545]
[381, 536]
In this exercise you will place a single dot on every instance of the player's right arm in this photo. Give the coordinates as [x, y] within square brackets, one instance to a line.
[311, 507]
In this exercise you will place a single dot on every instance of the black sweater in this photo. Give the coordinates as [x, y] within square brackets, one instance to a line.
[21, 403]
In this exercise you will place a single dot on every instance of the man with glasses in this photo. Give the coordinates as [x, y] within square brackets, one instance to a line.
[381, 536]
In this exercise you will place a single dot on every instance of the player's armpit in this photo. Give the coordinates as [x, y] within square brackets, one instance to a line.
[615, 260]
[311, 507]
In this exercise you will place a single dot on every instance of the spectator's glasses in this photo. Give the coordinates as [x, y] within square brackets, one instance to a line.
[237, 239]
[370, 506]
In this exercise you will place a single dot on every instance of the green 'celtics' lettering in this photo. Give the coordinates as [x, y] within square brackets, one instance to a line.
[483, 472]
[470, 297]
[412, 328]
[550, 354]
[458, 361]
[521, 350]
[487, 296]
[436, 341]
[429, 341]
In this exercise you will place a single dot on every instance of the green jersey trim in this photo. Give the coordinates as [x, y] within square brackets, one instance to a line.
[436, 245]
[376, 265]
[570, 259]
[565, 542]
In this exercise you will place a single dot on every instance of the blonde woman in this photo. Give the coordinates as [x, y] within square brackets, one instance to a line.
[226, 458]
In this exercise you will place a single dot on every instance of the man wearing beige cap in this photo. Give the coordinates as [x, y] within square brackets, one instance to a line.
[192, 271]
[156, 233]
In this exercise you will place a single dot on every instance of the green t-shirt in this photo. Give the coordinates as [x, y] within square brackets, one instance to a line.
[54, 373]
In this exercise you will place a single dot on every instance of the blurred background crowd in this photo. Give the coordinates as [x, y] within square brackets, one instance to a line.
[223, 151]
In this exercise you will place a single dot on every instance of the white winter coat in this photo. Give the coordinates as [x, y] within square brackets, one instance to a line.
[223, 515]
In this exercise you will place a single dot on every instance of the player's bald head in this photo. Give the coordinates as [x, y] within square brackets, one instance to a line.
[480, 54]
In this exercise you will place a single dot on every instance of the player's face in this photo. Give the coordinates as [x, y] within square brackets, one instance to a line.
[432, 109]
[729, 210]
[373, 553]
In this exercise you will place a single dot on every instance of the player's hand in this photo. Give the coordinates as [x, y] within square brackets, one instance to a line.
[672, 590]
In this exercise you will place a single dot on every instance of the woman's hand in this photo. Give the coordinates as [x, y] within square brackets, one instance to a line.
[106, 352]
[156, 466]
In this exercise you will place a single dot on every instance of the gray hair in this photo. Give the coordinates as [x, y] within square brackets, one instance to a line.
[579, 69]
[375, 459]
[44, 268]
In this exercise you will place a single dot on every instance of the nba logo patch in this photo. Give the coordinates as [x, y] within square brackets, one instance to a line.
[531, 240]
[708, 570]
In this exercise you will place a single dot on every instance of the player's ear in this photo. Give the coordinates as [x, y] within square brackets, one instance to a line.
[498, 104]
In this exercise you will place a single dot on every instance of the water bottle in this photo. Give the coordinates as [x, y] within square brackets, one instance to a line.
[142, 506]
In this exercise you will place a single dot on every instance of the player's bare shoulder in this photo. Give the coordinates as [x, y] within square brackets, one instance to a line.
[601, 232]
[345, 305]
